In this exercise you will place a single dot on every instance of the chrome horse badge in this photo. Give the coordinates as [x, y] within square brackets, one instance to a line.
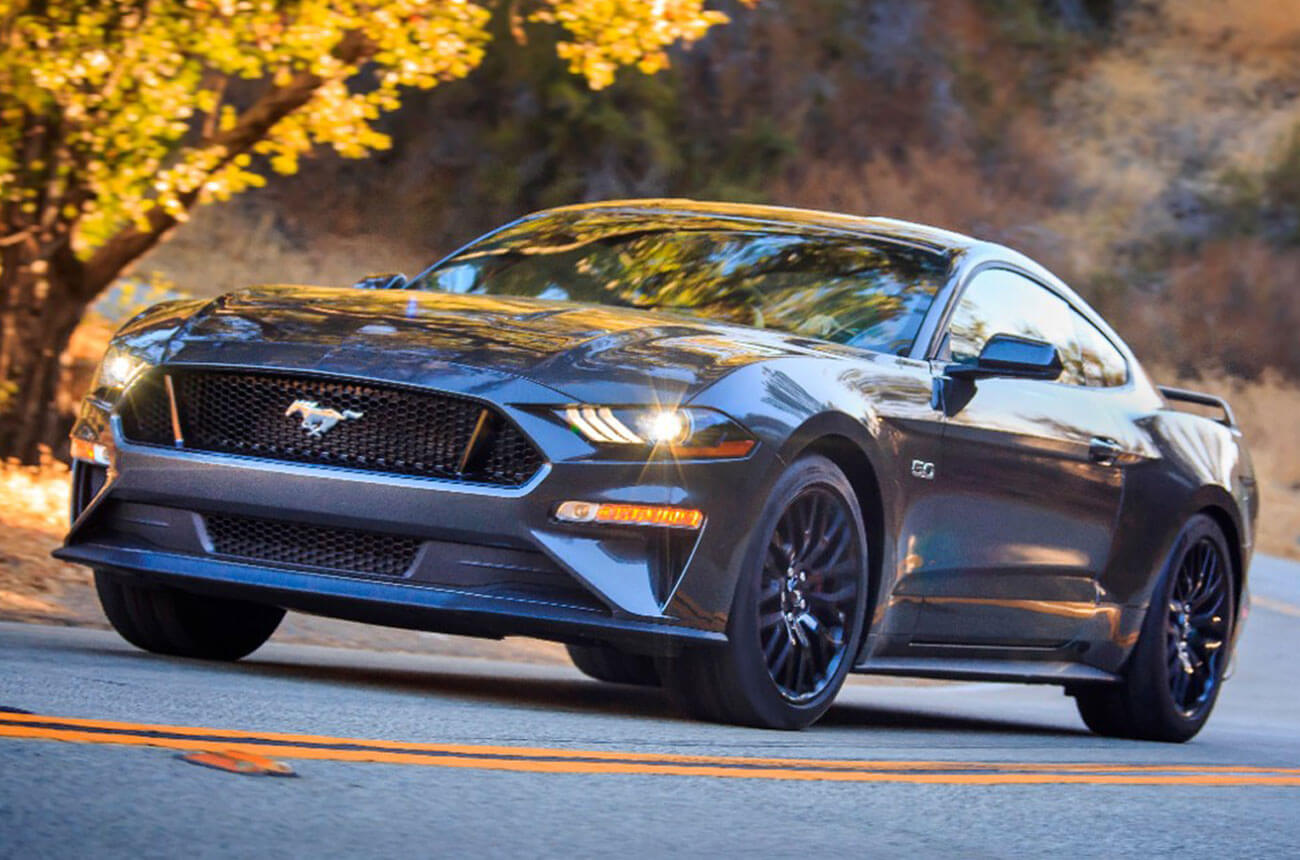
[317, 421]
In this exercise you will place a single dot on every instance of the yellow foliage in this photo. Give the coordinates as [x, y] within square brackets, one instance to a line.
[131, 98]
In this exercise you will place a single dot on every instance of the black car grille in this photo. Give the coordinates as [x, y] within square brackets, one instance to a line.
[393, 430]
[298, 544]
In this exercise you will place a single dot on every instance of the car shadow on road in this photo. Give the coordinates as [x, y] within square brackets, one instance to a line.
[503, 689]
[846, 716]
[579, 695]
[585, 696]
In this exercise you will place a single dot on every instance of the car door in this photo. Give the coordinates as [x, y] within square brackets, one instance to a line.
[1022, 512]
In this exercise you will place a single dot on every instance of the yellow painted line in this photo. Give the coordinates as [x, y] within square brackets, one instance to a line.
[207, 735]
[539, 760]
[1275, 606]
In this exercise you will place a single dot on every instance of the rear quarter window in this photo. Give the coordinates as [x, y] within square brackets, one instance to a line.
[1103, 364]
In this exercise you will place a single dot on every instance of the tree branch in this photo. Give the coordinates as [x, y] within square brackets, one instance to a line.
[253, 125]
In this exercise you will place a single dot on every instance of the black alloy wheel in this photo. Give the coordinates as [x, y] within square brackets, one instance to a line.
[1174, 675]
[808, 593]
[799, 614]
[1197, 626]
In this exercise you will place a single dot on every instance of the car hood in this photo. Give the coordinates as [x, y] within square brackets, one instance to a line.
[593, 352]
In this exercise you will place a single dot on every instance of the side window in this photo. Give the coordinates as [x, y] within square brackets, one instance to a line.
[1103, 364]
[999, 301]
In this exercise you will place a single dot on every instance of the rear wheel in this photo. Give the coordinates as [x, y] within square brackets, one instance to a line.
[167, 621]
[798, 614]
[1176, 669]
[612, 666]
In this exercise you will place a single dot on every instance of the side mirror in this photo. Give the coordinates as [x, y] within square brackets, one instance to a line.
[388, 281]
[1011, 356]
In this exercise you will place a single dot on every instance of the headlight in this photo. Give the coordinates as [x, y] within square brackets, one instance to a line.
[118, 369]
[686, 433]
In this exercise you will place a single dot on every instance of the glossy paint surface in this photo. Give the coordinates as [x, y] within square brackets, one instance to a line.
[1006, 540]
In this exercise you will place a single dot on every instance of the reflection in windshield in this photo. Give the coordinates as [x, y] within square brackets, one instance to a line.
[853, 290]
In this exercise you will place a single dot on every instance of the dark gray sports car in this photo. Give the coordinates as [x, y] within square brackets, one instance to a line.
[738, 451]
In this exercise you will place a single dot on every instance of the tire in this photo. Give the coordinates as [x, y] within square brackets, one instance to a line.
[1175, 672]
[612, 666]
[165, 620]
[808, 561]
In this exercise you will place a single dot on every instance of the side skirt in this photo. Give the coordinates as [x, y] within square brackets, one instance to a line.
[976, 669]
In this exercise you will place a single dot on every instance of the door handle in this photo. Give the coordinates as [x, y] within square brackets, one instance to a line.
[1104, 450]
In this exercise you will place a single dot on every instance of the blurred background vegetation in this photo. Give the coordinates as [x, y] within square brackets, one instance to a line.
[1148, 152]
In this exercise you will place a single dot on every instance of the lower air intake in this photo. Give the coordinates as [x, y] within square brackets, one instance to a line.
[300, 545]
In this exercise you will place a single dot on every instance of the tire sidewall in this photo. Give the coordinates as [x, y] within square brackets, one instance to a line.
[742, 628]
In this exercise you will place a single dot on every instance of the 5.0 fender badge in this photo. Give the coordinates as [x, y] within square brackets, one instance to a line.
[317, 421]
[923, 470]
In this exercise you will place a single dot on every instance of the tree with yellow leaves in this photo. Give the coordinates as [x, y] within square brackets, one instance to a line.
[118, 117]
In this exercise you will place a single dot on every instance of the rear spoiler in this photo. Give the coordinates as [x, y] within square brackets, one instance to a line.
[1185, 396]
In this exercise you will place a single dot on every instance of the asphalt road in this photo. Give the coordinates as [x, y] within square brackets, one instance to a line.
[422, 756]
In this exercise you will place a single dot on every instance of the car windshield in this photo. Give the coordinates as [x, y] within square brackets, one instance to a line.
[853, 290]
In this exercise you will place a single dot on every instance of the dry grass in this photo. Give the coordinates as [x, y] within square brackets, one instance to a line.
[228, 247]
[33, 518]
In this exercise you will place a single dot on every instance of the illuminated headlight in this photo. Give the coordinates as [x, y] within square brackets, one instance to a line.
[666, 426]
[117, 371]
[688, 433]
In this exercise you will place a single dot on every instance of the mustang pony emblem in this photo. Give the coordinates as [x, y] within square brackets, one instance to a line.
[317, 421]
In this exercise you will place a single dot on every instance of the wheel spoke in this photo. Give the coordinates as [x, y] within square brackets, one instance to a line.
[847, 591]
[793, 666]
[802, 678]
[801, 636]
[833, 537]
[1210, 620]
[1180, 687]
[829, 638]
[786, 647]
[800, 522]
[1206, 646]
[774, 642]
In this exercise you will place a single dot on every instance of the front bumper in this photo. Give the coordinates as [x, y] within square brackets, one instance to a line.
[493, 561]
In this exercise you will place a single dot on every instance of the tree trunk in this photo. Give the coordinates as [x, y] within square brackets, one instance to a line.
[37, 317]
[45, 288]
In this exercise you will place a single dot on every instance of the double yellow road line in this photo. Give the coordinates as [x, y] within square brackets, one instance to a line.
[544, 760]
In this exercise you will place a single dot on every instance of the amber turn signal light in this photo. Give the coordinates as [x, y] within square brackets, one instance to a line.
[629, 515]
[91, 452]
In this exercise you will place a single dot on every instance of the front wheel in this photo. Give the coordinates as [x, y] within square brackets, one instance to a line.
[1174, 674]
[168, 621]
[604, 663]
[798, 614]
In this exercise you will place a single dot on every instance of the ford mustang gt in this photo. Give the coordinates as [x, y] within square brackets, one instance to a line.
[736, 451]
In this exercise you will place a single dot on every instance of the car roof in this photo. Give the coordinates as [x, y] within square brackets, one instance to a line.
[975, 252]
[934, 238]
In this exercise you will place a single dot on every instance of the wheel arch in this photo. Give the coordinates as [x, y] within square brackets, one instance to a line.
[1225, 521]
